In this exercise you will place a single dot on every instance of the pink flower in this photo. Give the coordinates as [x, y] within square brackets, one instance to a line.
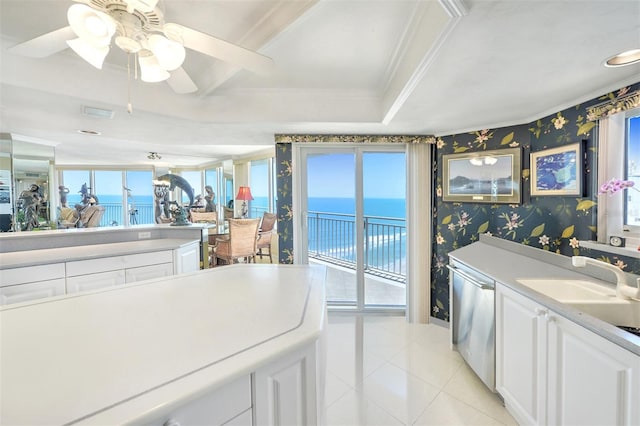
[615, 185]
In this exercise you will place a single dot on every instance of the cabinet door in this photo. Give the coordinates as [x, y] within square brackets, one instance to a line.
[186, 259]
[591, 381]
[31, 274]
[146, 259]
[285, 391]
[93, 266]
[520, 355]
[226, 405]
[148, 272]
[32, 291]
[95, 281]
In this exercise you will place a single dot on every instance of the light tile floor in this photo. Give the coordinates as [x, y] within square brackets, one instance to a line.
[383, 371]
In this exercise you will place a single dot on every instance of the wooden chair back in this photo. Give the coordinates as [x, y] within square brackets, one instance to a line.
[241, 243]
[204, 217]
[266, 233]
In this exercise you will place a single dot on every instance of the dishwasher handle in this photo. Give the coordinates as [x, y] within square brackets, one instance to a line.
[470, 279]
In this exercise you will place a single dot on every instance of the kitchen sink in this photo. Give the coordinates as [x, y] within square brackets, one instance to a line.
[571, 290]
[591, 298]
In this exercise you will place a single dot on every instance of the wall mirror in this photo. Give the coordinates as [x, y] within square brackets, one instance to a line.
[227, 182]
[32, 164]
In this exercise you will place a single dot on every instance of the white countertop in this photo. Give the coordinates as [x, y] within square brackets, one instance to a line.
[18, 259]
[507, 266]
[109, 356]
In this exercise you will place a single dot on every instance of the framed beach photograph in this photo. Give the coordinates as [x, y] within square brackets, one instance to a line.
[557, 171]
[483, 177]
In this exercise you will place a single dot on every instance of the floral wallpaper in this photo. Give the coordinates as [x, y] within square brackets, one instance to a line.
[555, 223]
[284, 179]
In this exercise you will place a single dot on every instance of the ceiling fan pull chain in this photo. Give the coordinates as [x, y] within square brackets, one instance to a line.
[129, 106]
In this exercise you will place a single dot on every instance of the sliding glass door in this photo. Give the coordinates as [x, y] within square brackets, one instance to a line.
[354, 222]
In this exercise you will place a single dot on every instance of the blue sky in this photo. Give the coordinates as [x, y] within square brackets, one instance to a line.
[634, 144]
[333, 175]
[109, 182]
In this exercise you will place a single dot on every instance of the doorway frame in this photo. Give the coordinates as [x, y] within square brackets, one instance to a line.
[299, 183]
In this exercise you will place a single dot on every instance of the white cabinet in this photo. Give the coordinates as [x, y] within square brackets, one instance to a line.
[553, 371]
[31, 283]
[284, 390]
[95, 281]
[520, 355]
[227, 405]
[145, 266]
[36, 282]
[590, 379]
[31, 291]
[106, 272]
[186, 259]
[148, 272]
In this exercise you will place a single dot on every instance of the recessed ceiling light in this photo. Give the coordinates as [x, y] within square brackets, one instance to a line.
[625, 58]
[89, 132]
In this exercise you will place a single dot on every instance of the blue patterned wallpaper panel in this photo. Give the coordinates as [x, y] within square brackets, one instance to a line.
[284, 179]
[555, 223]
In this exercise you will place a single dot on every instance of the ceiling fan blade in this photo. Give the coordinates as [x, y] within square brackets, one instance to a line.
[180, 81]
[45, 45]
[221, 49]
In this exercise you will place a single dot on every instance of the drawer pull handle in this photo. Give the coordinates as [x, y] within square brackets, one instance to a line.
[171, 422]
[540, 312]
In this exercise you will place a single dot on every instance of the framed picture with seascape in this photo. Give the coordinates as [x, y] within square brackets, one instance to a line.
[557, 171]
[483, 177]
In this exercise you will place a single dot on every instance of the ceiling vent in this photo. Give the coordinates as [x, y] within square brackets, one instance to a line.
[97, 112]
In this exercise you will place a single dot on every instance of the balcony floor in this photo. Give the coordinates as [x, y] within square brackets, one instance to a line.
[341, 287]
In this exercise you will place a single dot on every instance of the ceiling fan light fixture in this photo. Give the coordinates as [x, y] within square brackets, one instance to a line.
[91, 25]
[93, 54]
[173, 32]
[170, 54]
[150, 70]
[144, 6]
[128, 44]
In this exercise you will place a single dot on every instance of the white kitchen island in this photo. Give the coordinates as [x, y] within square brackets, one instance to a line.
[237, 345]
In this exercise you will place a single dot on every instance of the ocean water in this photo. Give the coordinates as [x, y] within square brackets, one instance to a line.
[331, 225]
[379, 207]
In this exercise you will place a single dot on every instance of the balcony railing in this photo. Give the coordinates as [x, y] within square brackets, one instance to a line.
[113, 214]
[332, 238]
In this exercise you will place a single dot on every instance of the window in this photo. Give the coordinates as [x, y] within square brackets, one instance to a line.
[73, 180]
[195, 180]
[632, 152]
[619, 158]
[259, 184]
[140, 197]
[109, 185]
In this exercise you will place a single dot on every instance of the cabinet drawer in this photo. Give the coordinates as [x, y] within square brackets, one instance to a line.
[148, 272]
[244, 419]
[95, 281]
[30, 274]
[215, 408]
[32, 291]
[145, 259]
[84, 267]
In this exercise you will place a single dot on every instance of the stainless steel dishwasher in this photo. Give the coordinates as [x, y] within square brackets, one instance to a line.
[472, 313]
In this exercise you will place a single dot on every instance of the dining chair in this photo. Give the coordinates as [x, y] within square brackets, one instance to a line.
[265, 233]
[203, 217]
[240, 243]
[90, 216]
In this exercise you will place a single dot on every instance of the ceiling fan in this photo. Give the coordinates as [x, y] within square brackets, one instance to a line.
[138, 27]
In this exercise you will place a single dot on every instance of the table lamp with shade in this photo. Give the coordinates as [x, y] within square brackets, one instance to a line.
[244, 194]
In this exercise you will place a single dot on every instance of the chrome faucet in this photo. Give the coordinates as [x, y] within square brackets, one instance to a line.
[623, 290]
